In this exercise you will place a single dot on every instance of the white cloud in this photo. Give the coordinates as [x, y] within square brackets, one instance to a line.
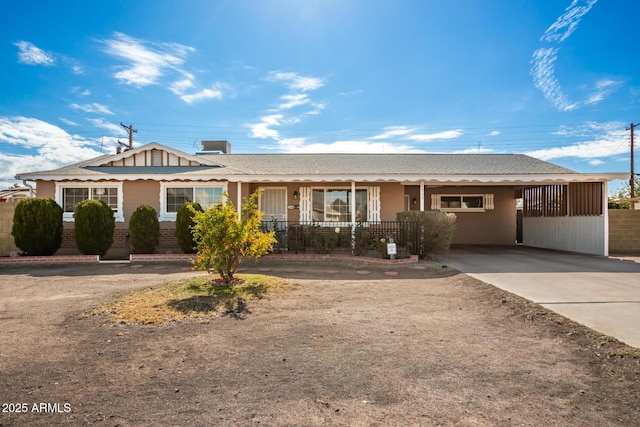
[599, 140]
[567, 23]
[92, 108]
[29, 54]
[147, 61]
[596, 162]
[46, 146]
[263, 129]
[543, 73]
[209, 93]
[299, 145]
[474, 150]
[603, 88]
[448, 134]
[544, 59]
[394, 131]
[351, 92]
[494, 133]
[293, 100]
[112, 128]
[68, 122]
[294, 81]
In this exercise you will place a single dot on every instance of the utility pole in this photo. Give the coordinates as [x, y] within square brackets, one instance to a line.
[130, 131]
[632, 180]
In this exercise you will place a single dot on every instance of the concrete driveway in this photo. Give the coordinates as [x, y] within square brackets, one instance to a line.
[598, 292]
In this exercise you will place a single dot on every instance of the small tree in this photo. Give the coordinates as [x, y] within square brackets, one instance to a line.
[93, 227]
[37, 226]
[222, 239]
[144, 230]
[184, 225]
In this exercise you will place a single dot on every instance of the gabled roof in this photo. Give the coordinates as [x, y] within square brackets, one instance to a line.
[172, 156]
[143, 163]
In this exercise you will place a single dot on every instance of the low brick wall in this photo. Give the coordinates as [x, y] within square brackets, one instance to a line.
[624, 231]
[54, 259]
[316, 257]
[161, 257]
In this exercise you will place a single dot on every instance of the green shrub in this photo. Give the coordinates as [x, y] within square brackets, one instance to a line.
[37, 226]
[436, 230]
[93, 227]
[144, 230]
[184, 225]
[322, 240]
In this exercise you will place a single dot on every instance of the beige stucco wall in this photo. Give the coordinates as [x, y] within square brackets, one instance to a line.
[46, 189]
[495, 227]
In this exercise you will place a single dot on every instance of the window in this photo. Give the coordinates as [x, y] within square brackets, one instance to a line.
[462, 202]
[173, 196]
[334, 205]
[69, 195]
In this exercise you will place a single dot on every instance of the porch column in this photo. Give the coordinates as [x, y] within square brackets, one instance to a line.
[239, 199]
[421, 196]
[353, 216]
[605, 212]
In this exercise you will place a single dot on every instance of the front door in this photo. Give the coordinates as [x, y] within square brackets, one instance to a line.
[273, 204]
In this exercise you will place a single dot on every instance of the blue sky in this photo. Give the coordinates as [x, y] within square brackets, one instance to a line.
[557, 79]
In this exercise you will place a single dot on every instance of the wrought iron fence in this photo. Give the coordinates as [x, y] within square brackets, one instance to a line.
[365, 238]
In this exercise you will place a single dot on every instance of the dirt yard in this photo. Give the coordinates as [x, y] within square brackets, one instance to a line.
[428, 347]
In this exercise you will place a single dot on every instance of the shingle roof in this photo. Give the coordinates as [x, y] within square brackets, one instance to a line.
[358, 164]
[505, 168]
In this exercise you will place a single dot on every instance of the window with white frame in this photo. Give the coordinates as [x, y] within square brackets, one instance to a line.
[334, 204]
[174, 195]
[462, 202]
[68, 195]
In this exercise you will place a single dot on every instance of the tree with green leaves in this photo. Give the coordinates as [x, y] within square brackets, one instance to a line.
[223, 239]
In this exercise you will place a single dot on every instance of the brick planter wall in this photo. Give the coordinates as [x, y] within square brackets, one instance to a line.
[54, 259]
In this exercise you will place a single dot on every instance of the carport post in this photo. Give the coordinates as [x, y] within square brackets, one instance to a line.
[605, 212]
[421, 196]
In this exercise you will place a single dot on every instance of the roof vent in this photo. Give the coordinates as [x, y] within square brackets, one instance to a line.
[220, 146]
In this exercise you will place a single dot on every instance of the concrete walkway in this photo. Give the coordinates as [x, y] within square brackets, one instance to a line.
[598, 292]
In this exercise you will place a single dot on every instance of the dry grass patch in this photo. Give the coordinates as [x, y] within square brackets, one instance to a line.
[200, 297]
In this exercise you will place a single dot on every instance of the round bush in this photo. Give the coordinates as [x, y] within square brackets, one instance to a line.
[37, 226]
[184, 225]
[144, 230]
[93, 227]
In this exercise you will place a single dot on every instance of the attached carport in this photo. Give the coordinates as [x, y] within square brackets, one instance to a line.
[599, 292]
[568, 216]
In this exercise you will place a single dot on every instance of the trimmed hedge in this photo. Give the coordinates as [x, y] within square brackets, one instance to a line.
[93, 227]
[184, 226]
[144, 230]
[37, 226]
